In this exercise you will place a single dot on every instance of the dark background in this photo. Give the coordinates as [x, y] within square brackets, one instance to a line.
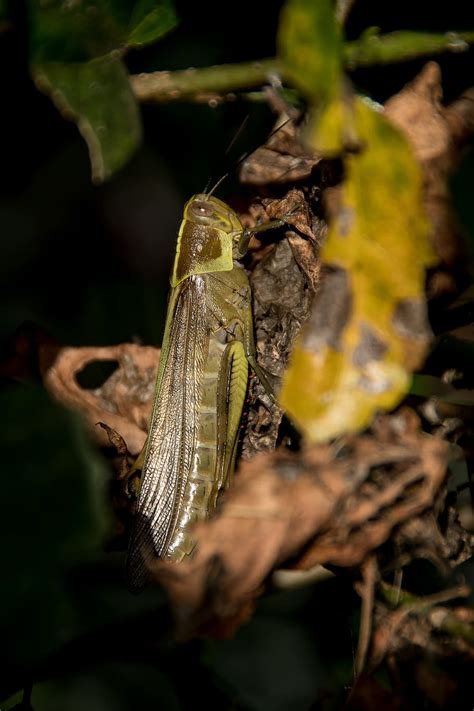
[90, 265]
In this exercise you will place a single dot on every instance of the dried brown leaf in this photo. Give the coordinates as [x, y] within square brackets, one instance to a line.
[123, 402]
[437, 135]
[282, 301]
[283, 159]
[414, 623]
[321, 506]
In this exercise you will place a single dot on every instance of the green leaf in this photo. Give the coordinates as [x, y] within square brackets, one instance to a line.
[98, 97]
[150, 20]
[54, 516]
[311, 51]
[375, 48]
[86, 29]
[310, 45]
[76, 50]
[368, 329]
[71, 31]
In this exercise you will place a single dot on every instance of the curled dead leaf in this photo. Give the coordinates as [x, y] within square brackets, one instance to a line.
[124, 400]
[282, 300]
[283, 159]
[437, 135]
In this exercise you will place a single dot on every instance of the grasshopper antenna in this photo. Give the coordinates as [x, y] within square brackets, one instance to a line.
[245, 155]
[236, 135]
[254, 150]
[221, 180]
[227, 150]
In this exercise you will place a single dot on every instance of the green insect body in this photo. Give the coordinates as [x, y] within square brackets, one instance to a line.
[202, 380]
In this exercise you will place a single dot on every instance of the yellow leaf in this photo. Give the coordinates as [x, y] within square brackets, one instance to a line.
[310, 45]
[310, 49]
[368, 329]
[331, 127]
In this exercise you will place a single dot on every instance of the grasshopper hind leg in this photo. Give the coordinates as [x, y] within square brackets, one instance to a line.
[232, 389]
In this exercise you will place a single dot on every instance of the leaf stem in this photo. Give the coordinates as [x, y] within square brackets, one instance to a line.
[369, 575]
[373, 48]
[203, 84]
[209, 84]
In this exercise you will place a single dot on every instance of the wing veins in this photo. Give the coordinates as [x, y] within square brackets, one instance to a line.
[173, 432]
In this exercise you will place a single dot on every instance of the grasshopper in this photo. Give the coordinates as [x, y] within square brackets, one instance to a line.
[208, 345]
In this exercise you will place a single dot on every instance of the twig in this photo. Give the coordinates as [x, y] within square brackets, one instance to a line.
[188, 83]
[366, 591]
[438, 598]
[373, 48]
[412, 603]
[409, 604]
[209, 83]
[397, 584]
[449, 623]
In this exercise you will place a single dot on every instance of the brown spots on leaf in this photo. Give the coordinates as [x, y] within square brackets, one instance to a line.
[370, 347]
[331, 312]
[411, 319]
[344, 220]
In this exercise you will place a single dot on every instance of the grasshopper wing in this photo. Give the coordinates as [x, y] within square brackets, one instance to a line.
[173, 429]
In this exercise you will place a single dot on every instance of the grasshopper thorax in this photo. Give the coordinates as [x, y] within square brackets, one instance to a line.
[208, 238]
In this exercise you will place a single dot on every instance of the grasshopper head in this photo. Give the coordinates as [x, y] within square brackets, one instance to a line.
[208, 236]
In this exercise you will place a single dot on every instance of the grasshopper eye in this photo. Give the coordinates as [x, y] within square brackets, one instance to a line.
[202, 209]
